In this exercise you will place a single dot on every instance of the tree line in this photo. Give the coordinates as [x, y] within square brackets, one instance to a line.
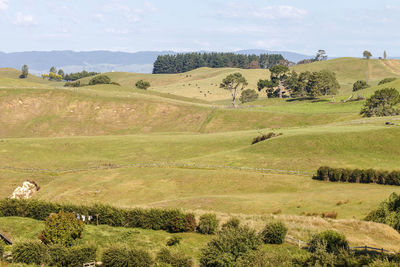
[189, 61]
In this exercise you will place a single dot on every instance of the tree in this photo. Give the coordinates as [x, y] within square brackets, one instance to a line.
[25, 72]
[384, 55]
[360, 85]
[321, 55]
[275, 85]
[248, 95]
[142, 84]
[53, 69]
[382, 103]
[323, 82]
[232, 83]
[100, 79]
[367, 54]
[61, 73]
[61, 228]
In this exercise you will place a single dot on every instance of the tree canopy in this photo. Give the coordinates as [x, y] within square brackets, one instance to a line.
[232, 83]
[360, 85]
[142, 84]
[24, 71]
[367, 54]
[382, 103]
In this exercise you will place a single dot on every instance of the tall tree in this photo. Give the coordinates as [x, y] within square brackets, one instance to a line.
[53, 70]
[367, 54]
[321, 55]
[61, 73]
[24, 71]
[382, 103]
[384, 55]
[233, 83]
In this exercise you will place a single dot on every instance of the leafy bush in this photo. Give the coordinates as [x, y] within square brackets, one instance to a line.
[228, 246]
[175, 240]
[156, 219]
[261, 258]
[208, 224]
[118, 256]
[382, 103]
[74, 256]
[386, 80]
[332, 241]
[274, 233]
[78, 75]
[388, 212]
[61, 228]
[142, 84]
[248, 95]
[264, 137]
[182, 223]
[174, 259]
[100, 79]
[360, 85]
[30, 252]
[72, 84]
[232, 222]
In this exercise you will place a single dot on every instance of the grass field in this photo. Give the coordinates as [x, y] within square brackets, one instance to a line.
[171, 146]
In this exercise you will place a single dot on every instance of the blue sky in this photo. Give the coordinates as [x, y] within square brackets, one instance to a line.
[342, 28]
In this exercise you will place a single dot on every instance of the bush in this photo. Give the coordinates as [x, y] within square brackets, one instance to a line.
[261, 258]
[232, 222]
[323, 173]
[61, 228]
[248, 95]
[175, 240]
[274, 233]
[72, 84]
[100, 79]
[208, 224]
[74, 256]
[264, 137]
[175, 259]
[118, 256]
[386, 80]
[142, 84]
[332, 241]
[360, 85]
[30, 252]
[382, 103]
[228, 246]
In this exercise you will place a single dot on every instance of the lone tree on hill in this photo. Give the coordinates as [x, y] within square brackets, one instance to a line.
[382, 103]
[233, 82]
[367, 54]
[25, 71]
[142, 84]
[384, 55]
[321, 55]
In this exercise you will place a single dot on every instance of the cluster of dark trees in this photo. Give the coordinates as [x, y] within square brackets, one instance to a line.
[358, 176]
[383, 102]
[388, 212]
[79, 75]
[189, 61]
[284, 83]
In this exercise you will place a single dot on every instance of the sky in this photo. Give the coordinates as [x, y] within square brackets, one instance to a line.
[342, 28]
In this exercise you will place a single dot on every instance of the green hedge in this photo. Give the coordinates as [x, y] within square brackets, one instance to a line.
[358, 176]
[172, 220]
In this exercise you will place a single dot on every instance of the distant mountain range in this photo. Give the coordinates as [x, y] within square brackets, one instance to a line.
[103, 61]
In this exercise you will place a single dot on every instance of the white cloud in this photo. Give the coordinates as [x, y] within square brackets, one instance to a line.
[246, 11]
[25, 20]
[3, 4]
[132, 14]
[99, 17]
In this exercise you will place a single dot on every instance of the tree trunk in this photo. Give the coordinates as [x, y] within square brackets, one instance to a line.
[280, 89]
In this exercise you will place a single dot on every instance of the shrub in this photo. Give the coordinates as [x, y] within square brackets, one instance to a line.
[274, 233]
[360, 85]
[228, 246]
[118, 256]
[175, 240]
[330, 215]
[72, 84]
[333, 242]
[386, 80]
[74, 256]
[142, 84]
[175, 259]
[100, 79]
[335, 174]
[30, 252]
[323, 173]
[263, 137]
[382, 103]
[208, 224]
[232, 222]
[261, 258]
[61, 228]
[248, 95]
[115, 83]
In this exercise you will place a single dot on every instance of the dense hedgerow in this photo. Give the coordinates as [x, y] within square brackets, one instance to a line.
[60, 256]
[157, 219]
[358, 176]
[386, 80]
[274, 233]
[100, 79]
[72, 84]
[264, 137]
[208, 224]
[119, 256]
[174, 259]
